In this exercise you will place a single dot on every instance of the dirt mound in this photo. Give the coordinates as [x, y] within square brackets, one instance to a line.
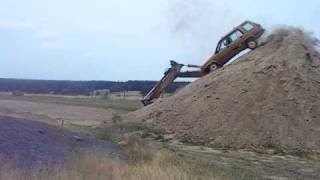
[269, 98]
[28, 143]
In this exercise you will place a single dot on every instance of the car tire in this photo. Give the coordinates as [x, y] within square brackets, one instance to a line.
[213, 67]
[252, 44]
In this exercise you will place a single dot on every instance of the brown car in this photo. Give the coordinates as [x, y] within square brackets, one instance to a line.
[242, 37]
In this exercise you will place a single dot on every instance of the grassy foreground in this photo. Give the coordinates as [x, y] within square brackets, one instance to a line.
[91, 166]
[142, 164]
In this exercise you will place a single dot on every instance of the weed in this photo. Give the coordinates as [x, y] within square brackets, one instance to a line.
[191, 140]
[273, 149]
[300, 153]
[92, 165]
[116, 118]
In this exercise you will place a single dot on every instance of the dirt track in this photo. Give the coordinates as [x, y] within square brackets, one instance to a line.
[52, 113]
[271, 98]
[27, 143]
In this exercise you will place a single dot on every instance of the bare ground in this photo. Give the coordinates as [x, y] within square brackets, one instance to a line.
[31, 134]
[27, 144]
[54, 113]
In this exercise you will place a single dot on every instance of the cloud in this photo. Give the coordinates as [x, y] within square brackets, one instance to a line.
[187, 14]
[17, 25]
[197, 26]
[317, 44]
[47, 39]
[52, 45]
[47, 34]
[50, 40]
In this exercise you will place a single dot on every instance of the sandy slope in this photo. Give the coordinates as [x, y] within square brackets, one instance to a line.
[269, 98]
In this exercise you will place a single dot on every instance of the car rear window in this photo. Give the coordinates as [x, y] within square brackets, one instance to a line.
[247, 26]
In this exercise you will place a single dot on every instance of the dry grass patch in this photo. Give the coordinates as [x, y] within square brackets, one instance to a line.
[95, 167]
[144, 161]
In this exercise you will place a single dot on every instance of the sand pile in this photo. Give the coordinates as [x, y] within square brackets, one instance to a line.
[269, 98]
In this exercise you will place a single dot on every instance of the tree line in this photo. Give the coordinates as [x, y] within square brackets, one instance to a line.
[79, 87]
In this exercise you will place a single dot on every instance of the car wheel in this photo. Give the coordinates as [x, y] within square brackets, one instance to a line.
[213, 67]
[252, 44]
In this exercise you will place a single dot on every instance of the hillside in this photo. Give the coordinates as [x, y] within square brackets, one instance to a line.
[270, 98]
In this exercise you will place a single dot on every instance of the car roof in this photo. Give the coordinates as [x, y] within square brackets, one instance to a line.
[237, 27]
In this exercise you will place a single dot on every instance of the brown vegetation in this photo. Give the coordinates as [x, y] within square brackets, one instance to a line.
[142, 164]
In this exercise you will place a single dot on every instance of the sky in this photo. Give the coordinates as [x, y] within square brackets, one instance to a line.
[123, 40]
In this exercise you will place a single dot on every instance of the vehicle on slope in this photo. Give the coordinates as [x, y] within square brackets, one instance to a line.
[244, 36]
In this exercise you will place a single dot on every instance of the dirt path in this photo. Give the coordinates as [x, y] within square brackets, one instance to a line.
[29, 143]
[51, 113]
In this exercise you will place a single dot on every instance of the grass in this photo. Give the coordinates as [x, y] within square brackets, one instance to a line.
[143, 163]
[91, 167]
[277, 150]
[119, 131]
[191, 140]
[162, 159]
[120, 105]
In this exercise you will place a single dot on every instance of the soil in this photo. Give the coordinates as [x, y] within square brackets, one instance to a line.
[269, 98]
[54, 113]
[27, 144]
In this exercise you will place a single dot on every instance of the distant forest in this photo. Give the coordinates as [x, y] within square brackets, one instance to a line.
[79, 87]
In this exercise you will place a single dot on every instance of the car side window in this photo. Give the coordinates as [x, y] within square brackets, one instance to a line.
[228, 40]
[234, 36]
[221, 45]
[247, 27]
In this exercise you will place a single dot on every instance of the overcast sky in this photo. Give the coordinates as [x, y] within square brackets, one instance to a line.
[127, 39]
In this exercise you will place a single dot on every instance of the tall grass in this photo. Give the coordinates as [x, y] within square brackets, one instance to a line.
[92, 166]
[144, 161]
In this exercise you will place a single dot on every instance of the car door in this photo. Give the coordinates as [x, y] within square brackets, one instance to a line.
[234, 46]
[222, 52]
